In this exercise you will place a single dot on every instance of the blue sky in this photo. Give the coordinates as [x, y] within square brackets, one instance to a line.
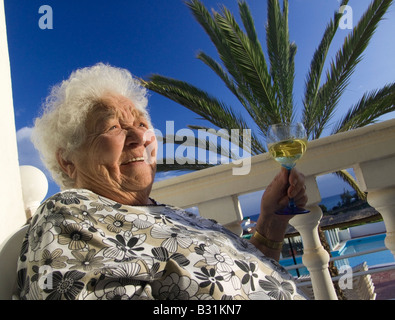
[161, 36]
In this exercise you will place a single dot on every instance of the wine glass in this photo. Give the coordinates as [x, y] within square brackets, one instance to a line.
[286, 144]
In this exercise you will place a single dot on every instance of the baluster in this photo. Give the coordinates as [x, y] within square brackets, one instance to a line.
[225, 211]
[377, 178]
[315, 257]
[384, 202]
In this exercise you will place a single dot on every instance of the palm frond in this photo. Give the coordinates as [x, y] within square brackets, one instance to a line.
[194, 99]
[255, 77]
[241, 140]
[248, 22]
[371, 106]
[246, 101]
[346, 60]
[313, 79]
[220, 72]
[201, 103]
[204, 18]
[209, 25]
[281, 55]
[348, 178]
[248, 77]
[205, 143]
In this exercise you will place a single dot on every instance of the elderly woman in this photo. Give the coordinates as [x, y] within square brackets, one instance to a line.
[103, 237]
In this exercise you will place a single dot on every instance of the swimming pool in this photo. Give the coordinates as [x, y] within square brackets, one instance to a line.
[363, 244]
[353, 246]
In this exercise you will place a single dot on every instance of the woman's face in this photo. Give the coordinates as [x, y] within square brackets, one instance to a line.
[118, 158]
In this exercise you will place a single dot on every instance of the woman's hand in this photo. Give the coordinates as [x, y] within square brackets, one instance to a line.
[276, 196]
[282, 188]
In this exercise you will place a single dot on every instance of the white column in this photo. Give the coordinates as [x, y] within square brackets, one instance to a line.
[377, 178]
[384, 202]
[315, 257]
[12, 214]
[225, 211]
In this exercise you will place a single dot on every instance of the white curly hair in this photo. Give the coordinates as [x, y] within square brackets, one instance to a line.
[62, 124]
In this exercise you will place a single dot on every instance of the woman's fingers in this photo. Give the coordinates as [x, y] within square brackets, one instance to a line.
[297, 188]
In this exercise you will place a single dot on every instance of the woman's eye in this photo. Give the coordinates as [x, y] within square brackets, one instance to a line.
[144, 125]
[114, 126]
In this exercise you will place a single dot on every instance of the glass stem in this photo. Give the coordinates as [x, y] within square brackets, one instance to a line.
[291, 202]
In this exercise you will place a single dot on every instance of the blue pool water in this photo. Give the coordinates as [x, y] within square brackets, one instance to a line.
[353, 246]
[363, 244]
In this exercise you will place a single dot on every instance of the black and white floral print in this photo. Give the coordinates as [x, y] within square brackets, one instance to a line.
[175, 287]
[84, 246]
[63, 286]
[277, 289]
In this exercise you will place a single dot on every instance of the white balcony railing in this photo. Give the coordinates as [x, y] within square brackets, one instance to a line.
[370, 151]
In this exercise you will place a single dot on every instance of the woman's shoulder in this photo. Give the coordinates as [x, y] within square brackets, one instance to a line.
[61, 201]
[72, 196]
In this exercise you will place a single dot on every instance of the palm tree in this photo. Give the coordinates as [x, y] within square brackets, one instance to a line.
[265, 90]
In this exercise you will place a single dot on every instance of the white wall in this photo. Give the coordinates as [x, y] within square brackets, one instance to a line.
[12, 213]
[362, 230]
[367, 229]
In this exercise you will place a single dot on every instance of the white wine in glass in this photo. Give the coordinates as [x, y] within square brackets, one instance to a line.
[287, 143]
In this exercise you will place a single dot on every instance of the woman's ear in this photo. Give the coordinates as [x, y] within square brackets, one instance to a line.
[67, 166]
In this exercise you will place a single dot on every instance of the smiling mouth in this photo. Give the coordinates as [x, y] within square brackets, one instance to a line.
[133, 160]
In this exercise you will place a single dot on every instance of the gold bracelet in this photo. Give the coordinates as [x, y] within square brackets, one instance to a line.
[275, 245]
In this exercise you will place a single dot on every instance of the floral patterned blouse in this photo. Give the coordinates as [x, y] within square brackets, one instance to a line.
[83, 246]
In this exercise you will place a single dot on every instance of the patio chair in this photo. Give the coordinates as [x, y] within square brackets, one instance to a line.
[34, 189]
[362, 286]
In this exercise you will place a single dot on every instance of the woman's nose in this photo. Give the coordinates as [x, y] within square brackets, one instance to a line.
[134, 137]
